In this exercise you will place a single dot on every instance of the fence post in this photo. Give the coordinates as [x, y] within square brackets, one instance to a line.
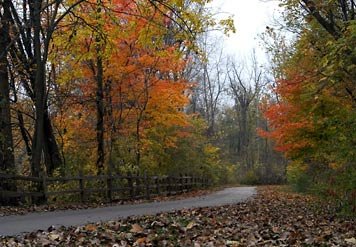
[181, 183]
[147, 185]
[157, 183]
[81, 186]
[109, 185]
[44, 186]
[174, 184]
[190, 181]
[187, 182]
[138, 185]
[130, 184]
[169, 185]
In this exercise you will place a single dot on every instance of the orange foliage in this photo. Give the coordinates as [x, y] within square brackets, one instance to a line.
[286, 119]
[144, 88]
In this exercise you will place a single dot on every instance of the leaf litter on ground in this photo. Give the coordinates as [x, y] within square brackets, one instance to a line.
[273, 218]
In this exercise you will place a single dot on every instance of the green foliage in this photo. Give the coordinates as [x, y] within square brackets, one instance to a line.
[338, 187]
[335, 184]
[262, 173]
[297, 176]
[250, 178]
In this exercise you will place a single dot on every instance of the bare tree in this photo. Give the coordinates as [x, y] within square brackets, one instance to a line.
[245, 87]
[211, 79]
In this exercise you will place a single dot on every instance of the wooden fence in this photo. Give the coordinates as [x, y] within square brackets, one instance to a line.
[104, 187]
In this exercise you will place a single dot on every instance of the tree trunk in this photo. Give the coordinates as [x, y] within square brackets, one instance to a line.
[243, 137]
[6, 143]
[7, 160]
[38, 144]
[39, 91]
[99, 96]
[53, 158]
[44, 146]
[100, 116]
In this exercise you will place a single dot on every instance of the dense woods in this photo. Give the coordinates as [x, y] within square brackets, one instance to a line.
[97, 87]
[102, 86]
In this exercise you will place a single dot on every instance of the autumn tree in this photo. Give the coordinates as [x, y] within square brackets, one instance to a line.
[313, 120]
[141, 74]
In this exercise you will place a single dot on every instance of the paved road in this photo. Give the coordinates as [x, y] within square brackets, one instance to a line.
[14, 225]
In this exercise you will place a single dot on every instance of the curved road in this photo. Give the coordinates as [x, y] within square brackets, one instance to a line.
[14, 225]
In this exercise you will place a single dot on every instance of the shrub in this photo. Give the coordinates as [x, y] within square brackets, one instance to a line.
[298, 177]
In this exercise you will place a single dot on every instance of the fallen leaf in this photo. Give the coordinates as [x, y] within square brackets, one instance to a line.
[136, 228]
[53, 236]
[351, 240]
[232, 243]
[90, 228]
[190, 225]
[141, 241]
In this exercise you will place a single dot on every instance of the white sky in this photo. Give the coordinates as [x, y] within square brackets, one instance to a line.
[251, 18]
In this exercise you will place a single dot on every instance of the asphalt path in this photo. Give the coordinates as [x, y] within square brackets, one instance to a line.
[18, 224]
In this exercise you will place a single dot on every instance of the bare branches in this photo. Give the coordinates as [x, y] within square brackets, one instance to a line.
[245, 84]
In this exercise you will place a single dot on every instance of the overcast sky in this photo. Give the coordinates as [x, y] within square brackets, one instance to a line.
[251, 18]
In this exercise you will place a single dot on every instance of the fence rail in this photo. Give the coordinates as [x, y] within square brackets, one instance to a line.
[104, 187]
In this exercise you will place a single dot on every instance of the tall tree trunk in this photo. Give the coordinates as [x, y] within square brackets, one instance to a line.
[38, 142]
[243, 126]
[243, 136]
[39, 92]
[99, 95]
[44, 146]
[100, 116]
[6, 143]
[7, 160]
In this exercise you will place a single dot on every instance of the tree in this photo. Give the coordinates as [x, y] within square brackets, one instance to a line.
[244, 91]
[312, 122]
[7, 162]
[140, 67]
[211, 84]
[336, 19]
[29, 51]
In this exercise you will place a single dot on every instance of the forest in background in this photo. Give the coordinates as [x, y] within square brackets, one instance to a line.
[132, 86]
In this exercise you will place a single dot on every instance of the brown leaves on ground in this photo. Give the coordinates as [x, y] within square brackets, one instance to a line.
[273, 218]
